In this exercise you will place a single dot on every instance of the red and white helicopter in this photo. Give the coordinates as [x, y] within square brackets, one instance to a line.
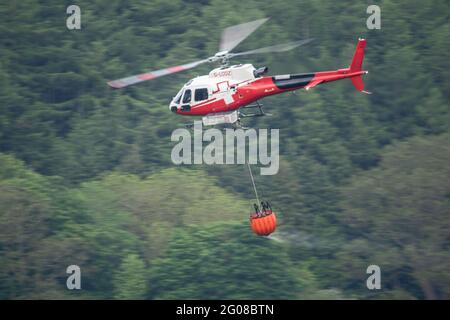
[220, 95]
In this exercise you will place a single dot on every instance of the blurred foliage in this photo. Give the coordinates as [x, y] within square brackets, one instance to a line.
[402, 206]
[86, 176]
[223, 262]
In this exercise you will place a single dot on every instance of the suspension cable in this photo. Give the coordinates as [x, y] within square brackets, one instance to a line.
[253, 183]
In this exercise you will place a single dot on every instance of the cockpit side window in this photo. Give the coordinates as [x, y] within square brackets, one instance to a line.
[187, 96]
[177, 98]
[201, 94]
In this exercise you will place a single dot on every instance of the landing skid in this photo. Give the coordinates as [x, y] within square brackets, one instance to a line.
[235, 125]
[232, 118]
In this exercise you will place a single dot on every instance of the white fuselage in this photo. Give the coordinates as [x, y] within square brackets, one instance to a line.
[219, 84]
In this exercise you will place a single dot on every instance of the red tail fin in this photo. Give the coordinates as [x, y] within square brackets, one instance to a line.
[356, 65]
[358, 56]
[358, 83]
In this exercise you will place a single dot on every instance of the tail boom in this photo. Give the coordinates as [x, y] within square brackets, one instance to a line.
[270, 85]
[308, 81]
[354, 71]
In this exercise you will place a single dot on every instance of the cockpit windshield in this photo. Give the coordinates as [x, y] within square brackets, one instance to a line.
[177, 98]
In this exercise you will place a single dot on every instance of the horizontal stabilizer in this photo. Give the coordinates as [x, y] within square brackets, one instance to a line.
[312, 84]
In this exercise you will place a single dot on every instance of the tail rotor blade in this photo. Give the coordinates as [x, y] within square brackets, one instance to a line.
[234, 35]
[276, 48]
[125, 82]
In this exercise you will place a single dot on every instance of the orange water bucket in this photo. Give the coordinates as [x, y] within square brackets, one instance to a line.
[263, 224]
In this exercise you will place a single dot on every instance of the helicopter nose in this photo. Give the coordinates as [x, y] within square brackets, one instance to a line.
[173, 109]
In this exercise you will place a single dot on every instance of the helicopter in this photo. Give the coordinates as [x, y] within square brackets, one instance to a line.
[221, 96]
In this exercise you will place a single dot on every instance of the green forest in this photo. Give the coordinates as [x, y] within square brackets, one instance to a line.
[86, 177]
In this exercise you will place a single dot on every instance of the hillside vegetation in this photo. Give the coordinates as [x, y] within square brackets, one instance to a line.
[86, 176]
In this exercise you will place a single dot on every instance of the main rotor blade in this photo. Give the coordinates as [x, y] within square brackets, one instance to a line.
[276, 48]
[232, 36]
[124, 82]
